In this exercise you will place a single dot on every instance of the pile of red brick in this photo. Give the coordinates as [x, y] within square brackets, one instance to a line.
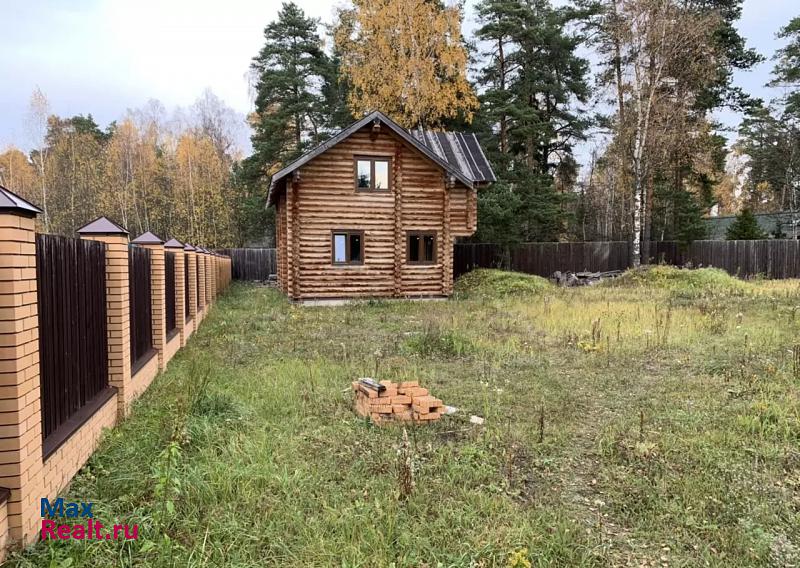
[398, 402]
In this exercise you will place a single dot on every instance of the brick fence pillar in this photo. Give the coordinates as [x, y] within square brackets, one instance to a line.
[191, 260]
[117, 305]
[158, 307]
[201, 284]
[176, 247]
[20, 406]
[214, 275]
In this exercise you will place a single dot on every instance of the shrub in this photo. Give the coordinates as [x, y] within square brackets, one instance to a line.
[485, 283]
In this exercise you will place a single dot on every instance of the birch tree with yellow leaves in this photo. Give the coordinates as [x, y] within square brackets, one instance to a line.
[406, 58]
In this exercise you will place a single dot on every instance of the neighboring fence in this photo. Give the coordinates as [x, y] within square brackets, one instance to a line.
[773, 258]
[71, 288]
[76, 313]
[542, 258]
[256, 264]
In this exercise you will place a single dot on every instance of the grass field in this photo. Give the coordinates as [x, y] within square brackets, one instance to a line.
[669, 400]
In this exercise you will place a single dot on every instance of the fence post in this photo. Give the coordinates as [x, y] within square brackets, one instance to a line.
[21, 426]
[115, 238]
[175, 246]
[158, 308]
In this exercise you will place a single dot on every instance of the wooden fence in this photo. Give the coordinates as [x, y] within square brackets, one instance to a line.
[71, 289]
[255, 264]
[773, 258]
[542, 259]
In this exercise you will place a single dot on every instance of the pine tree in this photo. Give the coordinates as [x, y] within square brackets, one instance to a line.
[745, 227]
[289, 70]
[533, 84]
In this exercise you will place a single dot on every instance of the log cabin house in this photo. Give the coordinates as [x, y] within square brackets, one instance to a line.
[374, 212]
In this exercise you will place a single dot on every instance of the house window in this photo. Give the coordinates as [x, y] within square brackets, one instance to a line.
[421, 248]
[347, 247]
[372, 174]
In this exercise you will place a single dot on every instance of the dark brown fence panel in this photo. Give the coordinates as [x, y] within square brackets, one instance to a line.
[73, 341]
[197, 284]
[139, 286]
[773, 258]
[169, 293]
[469, 256]
[255, 264]
[186, 296]
[542, 259]
[770, 258]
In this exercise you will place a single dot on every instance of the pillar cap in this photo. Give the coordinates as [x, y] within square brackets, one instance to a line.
[11, 202]
[188, 247]
[102, 226]
[173, 244]
[147, 238]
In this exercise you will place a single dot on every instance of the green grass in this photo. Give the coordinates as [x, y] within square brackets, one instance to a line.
[670, 433]
[488, 283]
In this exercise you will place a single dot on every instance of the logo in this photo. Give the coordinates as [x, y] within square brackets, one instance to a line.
[88, 529]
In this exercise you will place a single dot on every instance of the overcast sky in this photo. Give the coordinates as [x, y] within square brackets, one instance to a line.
[105, 56]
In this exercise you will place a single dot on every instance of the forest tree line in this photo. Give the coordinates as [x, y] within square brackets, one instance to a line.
[522, 82]
[175, 176]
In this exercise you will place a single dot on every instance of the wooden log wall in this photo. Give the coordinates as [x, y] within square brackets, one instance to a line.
[321, 198]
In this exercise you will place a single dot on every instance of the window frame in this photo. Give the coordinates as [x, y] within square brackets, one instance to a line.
[421, 249]
[347, 233]
[372, 159]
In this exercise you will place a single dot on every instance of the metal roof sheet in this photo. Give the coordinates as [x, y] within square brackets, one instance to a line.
[461, 150]
[102, 226]
[10, 201]
[147, 238]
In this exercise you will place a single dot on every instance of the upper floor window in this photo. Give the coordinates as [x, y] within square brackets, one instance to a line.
[421, 248]
[372, 174]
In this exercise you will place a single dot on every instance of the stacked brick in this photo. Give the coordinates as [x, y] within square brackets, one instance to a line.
[398, 402]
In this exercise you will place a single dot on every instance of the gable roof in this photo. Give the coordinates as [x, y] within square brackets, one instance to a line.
[467, 175]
